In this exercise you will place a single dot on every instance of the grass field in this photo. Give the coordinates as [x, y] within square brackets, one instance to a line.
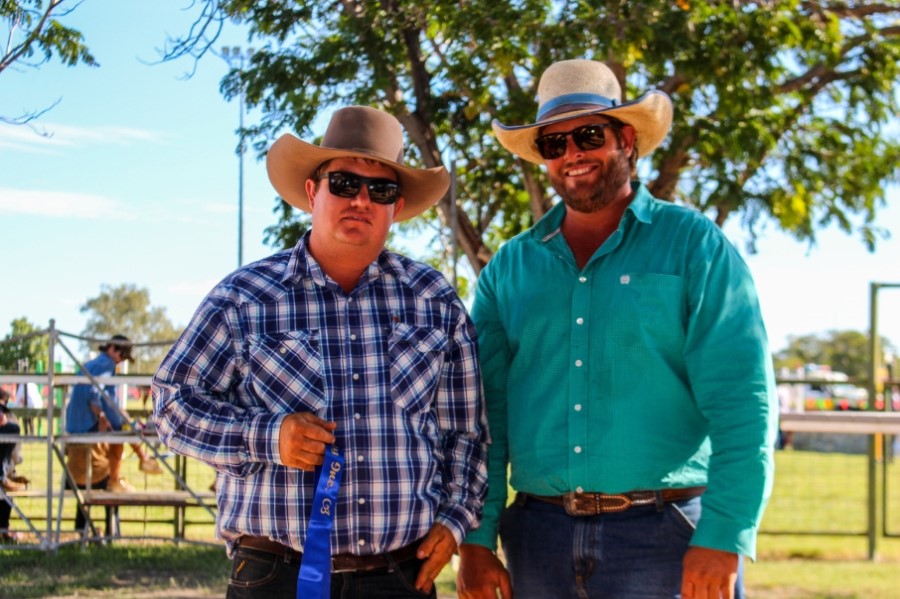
[814, 492]
[164, 571]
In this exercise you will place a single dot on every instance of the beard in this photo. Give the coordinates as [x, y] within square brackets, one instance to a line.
[601, 191]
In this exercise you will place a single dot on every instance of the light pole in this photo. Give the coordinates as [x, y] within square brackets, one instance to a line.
[235, 58]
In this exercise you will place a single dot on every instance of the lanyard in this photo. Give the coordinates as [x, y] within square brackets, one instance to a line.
[314, 580]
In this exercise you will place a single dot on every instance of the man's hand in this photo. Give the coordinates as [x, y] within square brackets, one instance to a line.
[709, 574]
[302, 441]
[436, 549]
[481, 574]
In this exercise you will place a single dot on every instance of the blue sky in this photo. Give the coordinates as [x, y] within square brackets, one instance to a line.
[138, 183]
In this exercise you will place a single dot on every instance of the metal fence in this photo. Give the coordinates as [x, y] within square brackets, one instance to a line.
[161, 507]
[841, 477]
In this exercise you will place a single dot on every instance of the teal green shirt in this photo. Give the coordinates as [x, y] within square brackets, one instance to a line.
[647, 369]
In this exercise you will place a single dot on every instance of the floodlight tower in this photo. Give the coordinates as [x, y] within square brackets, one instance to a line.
[236, 58]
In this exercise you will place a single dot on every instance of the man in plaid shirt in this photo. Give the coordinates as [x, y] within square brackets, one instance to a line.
[336, 341]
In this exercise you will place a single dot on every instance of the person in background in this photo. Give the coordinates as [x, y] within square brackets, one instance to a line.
[89, 411]
[9, 480]
[10, 453]
[626, 370]
[28, 396]
[342, 343]
[83, 459]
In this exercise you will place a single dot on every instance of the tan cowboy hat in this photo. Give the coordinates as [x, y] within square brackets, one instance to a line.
[573, 88]
[357, 132]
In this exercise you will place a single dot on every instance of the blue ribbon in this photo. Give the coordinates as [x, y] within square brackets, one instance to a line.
[314, 580]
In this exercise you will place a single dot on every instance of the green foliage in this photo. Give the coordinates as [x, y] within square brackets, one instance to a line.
[844, 351]
[783, 108]
[23, 347]
[292, 224]
[126, 310]
[34, 36]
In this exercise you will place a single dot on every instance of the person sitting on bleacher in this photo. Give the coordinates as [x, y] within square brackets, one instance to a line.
[83, 459]
[89, 411]
[9, 480]
[10, 453]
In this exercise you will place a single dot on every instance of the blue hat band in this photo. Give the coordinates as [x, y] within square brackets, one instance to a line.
[551, 105]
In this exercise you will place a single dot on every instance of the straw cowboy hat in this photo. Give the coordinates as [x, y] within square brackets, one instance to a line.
[356, 132]
[573, 88]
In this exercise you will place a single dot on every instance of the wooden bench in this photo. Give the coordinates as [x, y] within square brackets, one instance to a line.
[149, 498]
[180, 501]
[137, 498]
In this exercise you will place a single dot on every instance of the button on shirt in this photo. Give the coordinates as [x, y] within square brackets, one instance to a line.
[393, 363]
[647, 369]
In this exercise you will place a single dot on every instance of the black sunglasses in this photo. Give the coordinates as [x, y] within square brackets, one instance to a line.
[348, 185]
[587, 137]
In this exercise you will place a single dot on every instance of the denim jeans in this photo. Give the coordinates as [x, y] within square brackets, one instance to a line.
[634, 554]
[266, 575]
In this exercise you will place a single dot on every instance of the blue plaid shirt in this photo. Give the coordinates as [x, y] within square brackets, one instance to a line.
[393, 362]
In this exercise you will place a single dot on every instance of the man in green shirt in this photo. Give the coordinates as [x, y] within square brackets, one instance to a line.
[626, 371]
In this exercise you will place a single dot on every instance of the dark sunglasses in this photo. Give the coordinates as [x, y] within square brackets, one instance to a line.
[348, 185]
[587, 137]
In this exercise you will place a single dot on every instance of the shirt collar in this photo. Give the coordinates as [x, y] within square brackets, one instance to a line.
[303, 266]
[548, 226]
[641, 203]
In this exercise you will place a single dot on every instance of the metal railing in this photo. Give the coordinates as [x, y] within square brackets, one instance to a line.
[835, 487]
[59, 484]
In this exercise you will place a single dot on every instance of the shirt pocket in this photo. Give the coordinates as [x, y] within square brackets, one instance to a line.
[286, 371]
[417, 356]
[651, 307]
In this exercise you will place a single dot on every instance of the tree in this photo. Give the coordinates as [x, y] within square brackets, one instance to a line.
[844, 351]
[783, 107]
[126, 310]
[34, 35]
[24, 347]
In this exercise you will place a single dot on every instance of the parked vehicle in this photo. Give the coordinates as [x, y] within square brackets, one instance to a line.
[849, 397]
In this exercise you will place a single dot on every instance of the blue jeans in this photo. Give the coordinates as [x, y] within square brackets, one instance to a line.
[626, 555]
[266, 575]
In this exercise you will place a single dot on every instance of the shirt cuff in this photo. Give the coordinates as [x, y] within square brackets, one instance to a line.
[482, 536]
[726, 536]
[261, 438]
[457, 519]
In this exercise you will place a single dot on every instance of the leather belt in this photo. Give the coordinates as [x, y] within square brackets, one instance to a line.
[343, 562]
[593, 504]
